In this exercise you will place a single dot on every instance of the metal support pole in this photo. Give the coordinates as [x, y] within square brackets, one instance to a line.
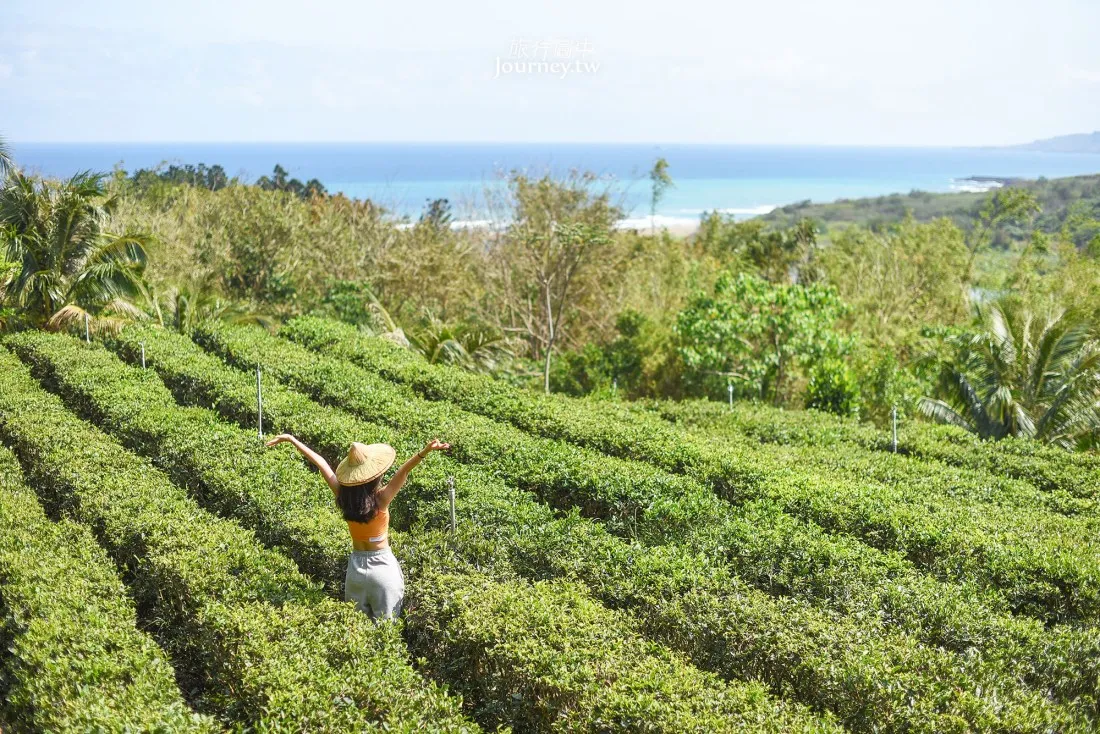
[895, 417]
[615, 386]
[143, 355]
[729, 388]
[259, 405]
[451, 491]
[87, 330]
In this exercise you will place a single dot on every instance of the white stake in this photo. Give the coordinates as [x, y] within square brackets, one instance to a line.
[729, 387]
[615, 386]
[259, 405]
[895, 416]
[451, 491]
[143, 355]
[87, 331]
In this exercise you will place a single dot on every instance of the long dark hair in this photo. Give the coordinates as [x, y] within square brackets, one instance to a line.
[359, 502]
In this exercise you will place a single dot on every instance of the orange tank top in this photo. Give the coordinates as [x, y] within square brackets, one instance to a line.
[374, 531]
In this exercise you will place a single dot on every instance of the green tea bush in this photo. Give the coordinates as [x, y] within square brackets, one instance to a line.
[812, 441]
[277, 494]
[676, 596]
[73, 658]
[482, 629]
[1045, 467]
[273, 651]
[228, 469]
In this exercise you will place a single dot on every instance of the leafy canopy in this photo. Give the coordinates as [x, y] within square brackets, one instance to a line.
[756, 335]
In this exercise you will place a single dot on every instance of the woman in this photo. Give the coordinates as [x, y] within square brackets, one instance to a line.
[373, 581]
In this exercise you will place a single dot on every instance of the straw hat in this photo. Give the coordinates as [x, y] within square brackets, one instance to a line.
[365, 463]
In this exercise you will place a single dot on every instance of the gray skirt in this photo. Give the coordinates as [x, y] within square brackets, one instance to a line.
[375, 583]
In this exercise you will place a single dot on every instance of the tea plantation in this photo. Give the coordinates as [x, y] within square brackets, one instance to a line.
[615, 567]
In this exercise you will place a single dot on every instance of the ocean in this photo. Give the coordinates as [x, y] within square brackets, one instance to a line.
[742, 180]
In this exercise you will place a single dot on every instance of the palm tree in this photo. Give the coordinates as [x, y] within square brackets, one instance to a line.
[1021, 376]
[68, 267]
[187, 305]
[471, 347]
[6, 162]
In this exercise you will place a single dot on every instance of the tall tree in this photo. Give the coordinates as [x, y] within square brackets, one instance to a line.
[1018, 375]
[659, 181]
[778, 255]
[69, 266]
[561, 255]
[552, 262]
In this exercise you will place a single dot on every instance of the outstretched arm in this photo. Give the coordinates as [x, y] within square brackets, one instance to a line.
[398, 480]
[312, 456]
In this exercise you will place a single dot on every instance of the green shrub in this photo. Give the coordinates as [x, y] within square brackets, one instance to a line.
[1047, 468]
[483, 630]
[73, 658]
[833, 388]
[758, 336]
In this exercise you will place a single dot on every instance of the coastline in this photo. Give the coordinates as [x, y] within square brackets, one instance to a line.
[742, 181]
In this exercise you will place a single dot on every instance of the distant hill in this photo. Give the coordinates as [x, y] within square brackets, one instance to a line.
[1058, 197]
[1080, 143]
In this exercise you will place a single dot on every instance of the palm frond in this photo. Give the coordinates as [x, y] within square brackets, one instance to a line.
[7, 163]
[941, 412]
[1018, 375]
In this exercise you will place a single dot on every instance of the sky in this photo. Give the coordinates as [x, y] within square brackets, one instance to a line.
[845, 72]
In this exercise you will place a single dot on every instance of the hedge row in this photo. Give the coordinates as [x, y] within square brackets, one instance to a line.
[72, 656]
[630, 430]
[780, 552]
[921, 477]
[1047, 468]
[886, 682]
[222, 462]
[273, 652]
[974, 490]
[568, 663]
[1043, 561]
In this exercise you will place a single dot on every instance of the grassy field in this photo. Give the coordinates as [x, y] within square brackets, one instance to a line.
[616, 566]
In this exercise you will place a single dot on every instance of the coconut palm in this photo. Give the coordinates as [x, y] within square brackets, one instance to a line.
[68, 267]
[1019, 375]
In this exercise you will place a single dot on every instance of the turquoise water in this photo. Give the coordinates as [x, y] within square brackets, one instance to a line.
[739, 179]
